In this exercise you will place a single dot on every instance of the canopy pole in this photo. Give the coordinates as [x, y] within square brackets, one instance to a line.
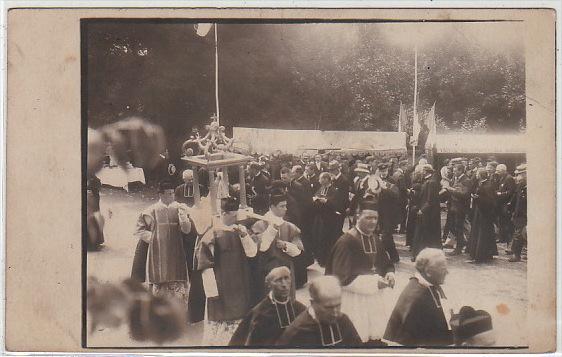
[217, 72]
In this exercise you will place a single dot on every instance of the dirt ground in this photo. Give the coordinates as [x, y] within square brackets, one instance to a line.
[498, 287]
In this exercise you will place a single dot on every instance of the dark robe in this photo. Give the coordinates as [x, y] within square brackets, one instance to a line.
[232, 273]
[326, 228]
[389, 217]
[266, 322]
[482, 244]
[184, 194]
[428, 225]
[355, 254]
[305, 331]
[505, 192]
[418, 318]
[343, 188]
[414, 196]
[305, 259]
[259, 193]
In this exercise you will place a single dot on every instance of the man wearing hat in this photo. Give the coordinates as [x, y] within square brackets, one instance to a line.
[359, 185]
[473, 328]
[388, 210]
[518, 207]
[222, 257]
[459, 196]
[258, 183]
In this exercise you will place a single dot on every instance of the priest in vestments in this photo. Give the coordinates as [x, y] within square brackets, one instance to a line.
[222, 257]
[268, 319]
[278, 243]
[322, 324]
[162, 227]
[420, 317]
[361, 263]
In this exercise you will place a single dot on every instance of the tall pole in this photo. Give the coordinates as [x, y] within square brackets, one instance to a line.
[415, 102]
[217, 72]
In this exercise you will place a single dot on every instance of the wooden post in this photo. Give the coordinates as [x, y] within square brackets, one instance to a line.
[242, 181]
[225, 178]
[196, 192]
[213, 192]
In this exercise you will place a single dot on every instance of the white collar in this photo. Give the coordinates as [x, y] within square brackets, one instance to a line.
[337, 176]
[423, 281]
[273, 300]
[312, 313]
[269, 216]
[363, 233]
[162, 204]
[221, 226]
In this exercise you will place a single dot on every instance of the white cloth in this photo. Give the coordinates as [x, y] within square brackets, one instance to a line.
[210, 283]
[367, 311]
[118, 177]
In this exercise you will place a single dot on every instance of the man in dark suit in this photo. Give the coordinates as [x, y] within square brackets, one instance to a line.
[419, 317]
[340, 182]
[506, 189]
[319, 165]
[389, 217]
[259, 189]
[459, 196]
[312, 177]
[518, 207]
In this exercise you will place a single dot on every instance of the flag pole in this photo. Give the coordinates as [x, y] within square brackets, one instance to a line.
[217, 73]
[415, 100]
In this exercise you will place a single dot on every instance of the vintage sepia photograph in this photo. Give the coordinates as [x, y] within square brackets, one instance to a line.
[294, 184]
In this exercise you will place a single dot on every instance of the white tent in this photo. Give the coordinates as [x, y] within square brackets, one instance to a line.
[480, 144]
[266, 141]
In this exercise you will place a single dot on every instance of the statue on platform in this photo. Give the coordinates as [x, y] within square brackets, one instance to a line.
[214, 141]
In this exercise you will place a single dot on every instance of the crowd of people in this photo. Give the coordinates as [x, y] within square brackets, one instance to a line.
[240, 275]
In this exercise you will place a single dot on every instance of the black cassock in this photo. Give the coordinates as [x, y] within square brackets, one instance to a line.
[418, 318]
[428, 225]
[266, 322]
[482, 243]
[305, 331]
[326, 228]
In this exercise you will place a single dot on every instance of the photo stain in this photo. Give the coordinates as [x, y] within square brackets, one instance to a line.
[502, 309]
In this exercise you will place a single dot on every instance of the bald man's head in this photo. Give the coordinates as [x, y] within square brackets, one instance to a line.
[279, 281]
[325, 298]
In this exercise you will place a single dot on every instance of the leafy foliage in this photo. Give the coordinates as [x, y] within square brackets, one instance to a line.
[328, 76]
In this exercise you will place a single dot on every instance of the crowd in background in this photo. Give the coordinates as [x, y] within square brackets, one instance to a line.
[342, 211]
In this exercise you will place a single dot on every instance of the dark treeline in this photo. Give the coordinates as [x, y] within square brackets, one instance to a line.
[304, 76]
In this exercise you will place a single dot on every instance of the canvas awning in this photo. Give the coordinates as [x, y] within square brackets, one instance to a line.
[266, 141]
[480, 143]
